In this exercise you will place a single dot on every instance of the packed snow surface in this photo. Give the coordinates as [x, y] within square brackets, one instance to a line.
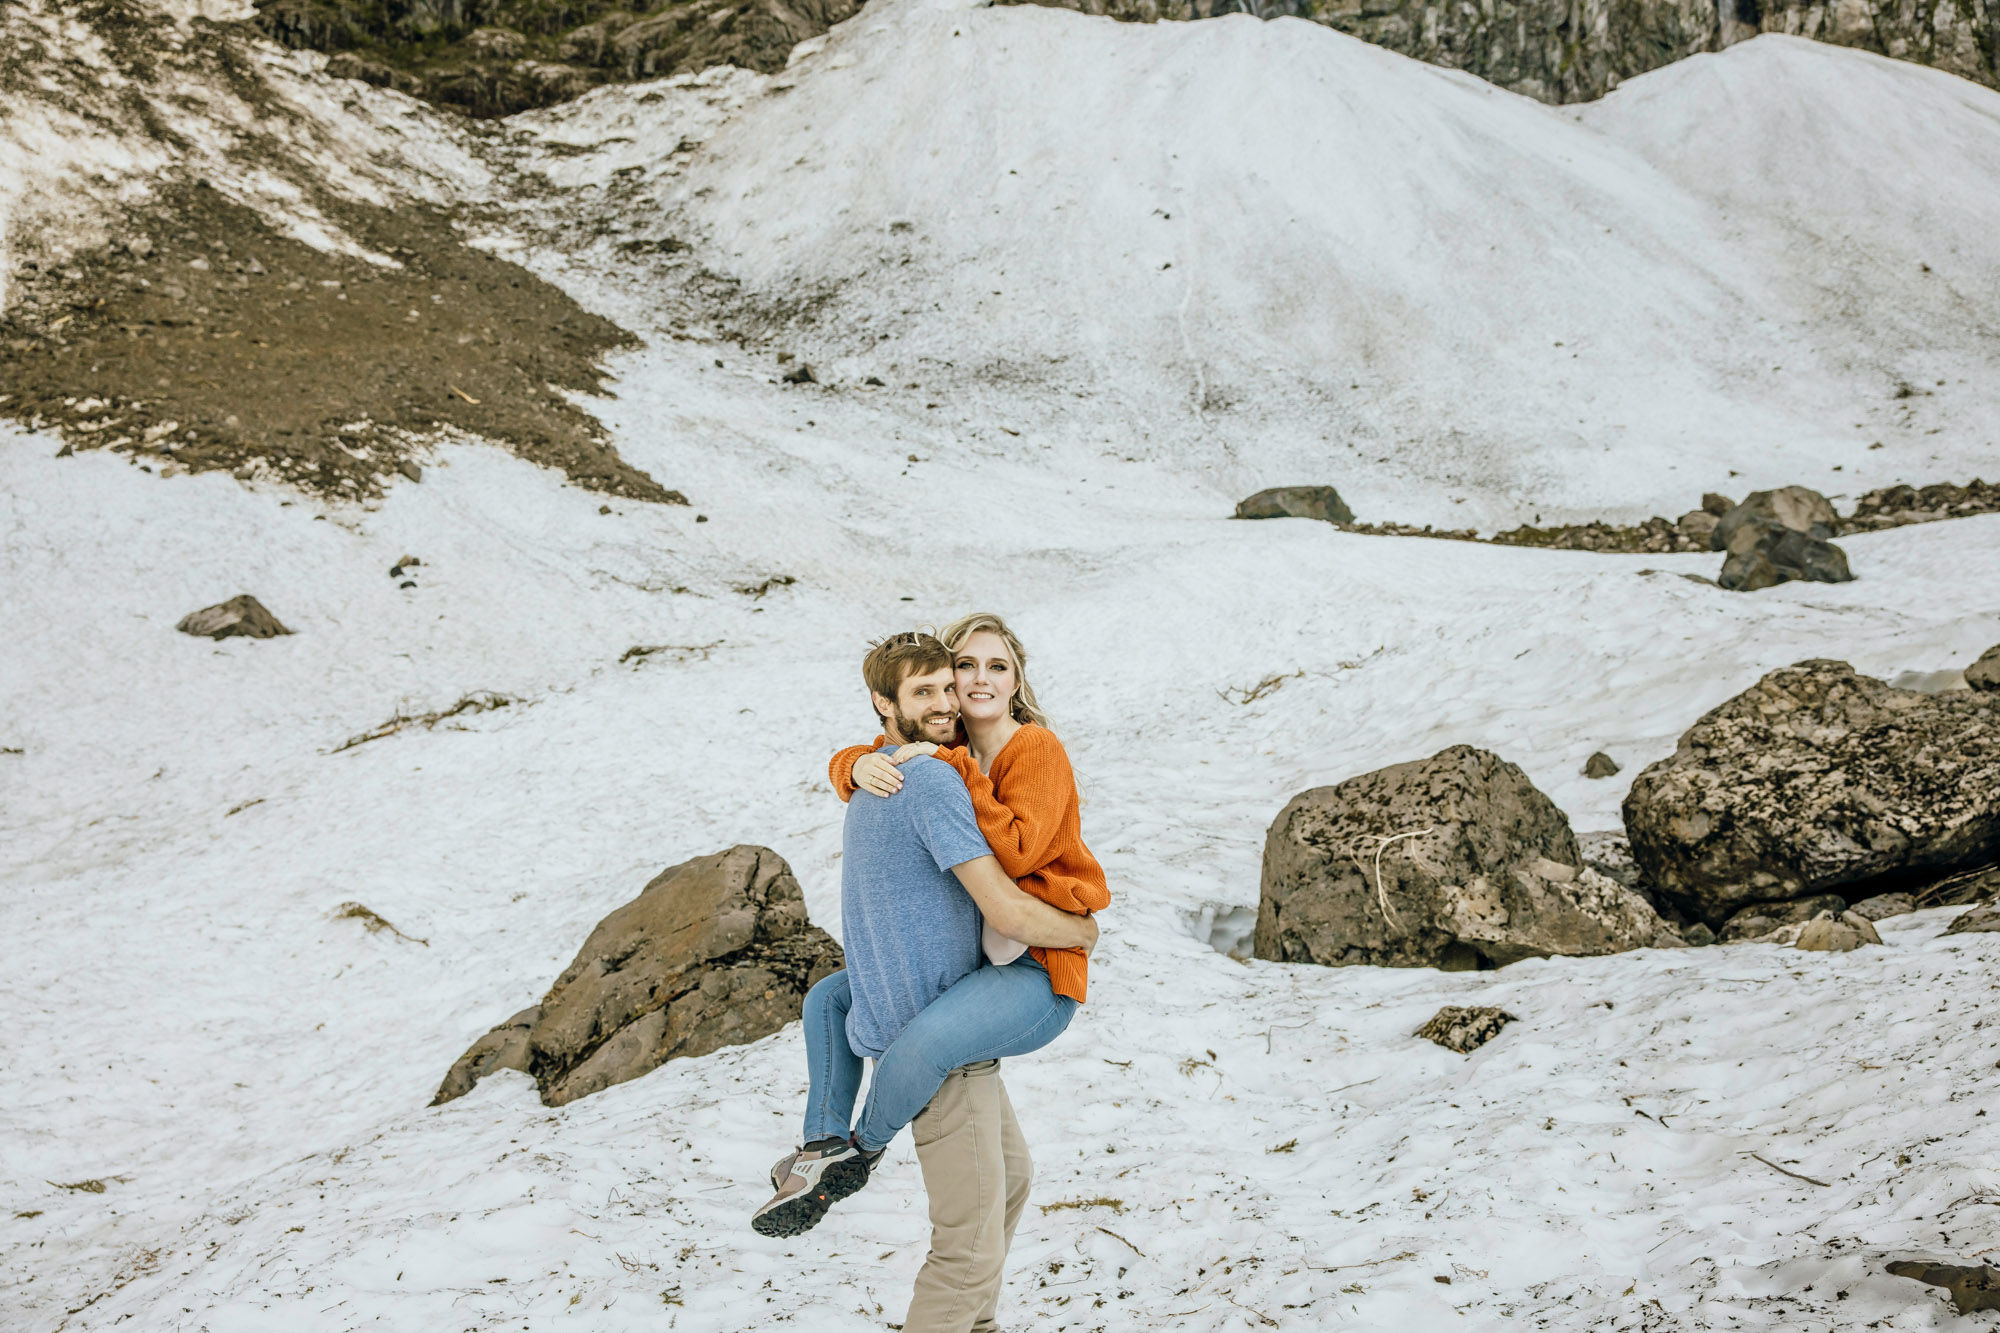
[1221, 1144]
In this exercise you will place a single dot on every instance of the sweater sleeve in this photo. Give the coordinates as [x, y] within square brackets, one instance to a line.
[1040, 788]
[841, 771]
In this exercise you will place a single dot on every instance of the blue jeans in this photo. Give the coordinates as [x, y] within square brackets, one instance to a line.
[987, 1014]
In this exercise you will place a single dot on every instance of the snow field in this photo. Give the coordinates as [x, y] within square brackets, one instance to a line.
[192, 1025]
[212, 1034]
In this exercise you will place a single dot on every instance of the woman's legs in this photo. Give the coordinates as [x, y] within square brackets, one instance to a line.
[832, 1067]
[988, 1014]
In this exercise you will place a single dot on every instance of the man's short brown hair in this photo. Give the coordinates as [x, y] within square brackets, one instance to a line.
[897, 658]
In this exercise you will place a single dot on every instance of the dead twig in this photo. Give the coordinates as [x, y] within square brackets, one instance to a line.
[1371, 1263]
[688, 650]
[479, 701]
[1781, 1170]
[374, 921]
[1282, 1027]
[1236, 694]
[1268, 1321]
[1122, 1241]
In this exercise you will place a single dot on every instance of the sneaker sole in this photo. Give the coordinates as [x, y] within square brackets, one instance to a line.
[795, 1216]
[843, 1178]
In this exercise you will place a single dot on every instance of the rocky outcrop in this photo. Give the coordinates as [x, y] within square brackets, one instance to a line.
[496, 57]
[1320, 502]
[1577, 50]
[1455, 861]
[714, 952]
[1819, 780]
[1898, 506]
[1973, 1287]
[241, 615]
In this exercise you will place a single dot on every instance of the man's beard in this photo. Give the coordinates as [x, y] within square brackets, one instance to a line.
[912, 731]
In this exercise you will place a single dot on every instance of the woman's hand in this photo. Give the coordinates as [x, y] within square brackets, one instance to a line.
[911, 751]
[875, 772]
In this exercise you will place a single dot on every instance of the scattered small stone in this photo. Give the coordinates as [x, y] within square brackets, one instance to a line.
[1698, 936]
[1600, 765]
[410, 469]
[241, 615]
[1717, 505]
[1983, 918]
[1828, 933]
[874, 381]
[604, 509]
[1973, 1287]
[800, 374]
[701, 518]
[1984, 674]
[139, 247]
[1320, 502]
[1884, 905]
[65, 452]
[1464, 1029]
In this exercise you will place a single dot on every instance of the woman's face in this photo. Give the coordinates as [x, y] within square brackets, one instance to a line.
[983, 675]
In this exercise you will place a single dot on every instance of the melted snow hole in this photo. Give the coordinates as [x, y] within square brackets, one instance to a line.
[1223, 927]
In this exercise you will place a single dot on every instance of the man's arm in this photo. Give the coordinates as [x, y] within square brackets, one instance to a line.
[1020, 915]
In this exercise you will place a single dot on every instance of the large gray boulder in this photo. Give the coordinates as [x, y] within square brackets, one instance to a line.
[1795, 508]
[1455, 861]
[1320, 502]
[1818, 780]
[1762, 554]
[714, 952]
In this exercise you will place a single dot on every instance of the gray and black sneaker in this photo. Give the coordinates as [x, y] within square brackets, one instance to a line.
[849, 1174]
[808, 1182]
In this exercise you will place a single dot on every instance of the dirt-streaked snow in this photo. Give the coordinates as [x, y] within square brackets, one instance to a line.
[189, 1023]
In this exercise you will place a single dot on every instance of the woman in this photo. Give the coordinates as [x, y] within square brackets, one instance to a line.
[1025, 799]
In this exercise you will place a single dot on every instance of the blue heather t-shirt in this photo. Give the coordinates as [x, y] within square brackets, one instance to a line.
[909, 927]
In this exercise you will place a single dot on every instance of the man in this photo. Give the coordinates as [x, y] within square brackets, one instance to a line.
[917, 877]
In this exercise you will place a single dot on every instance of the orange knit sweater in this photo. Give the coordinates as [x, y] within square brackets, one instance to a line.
[1027, 809]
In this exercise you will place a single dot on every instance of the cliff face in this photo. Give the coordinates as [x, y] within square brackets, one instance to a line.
[496, 57]
[1578, 50]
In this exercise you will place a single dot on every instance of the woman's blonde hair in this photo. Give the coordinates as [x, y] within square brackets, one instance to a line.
[954, 635]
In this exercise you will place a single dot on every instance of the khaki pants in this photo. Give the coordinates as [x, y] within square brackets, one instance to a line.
[976, 1172]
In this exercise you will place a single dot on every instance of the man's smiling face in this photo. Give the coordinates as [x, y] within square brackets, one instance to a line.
[925, 709]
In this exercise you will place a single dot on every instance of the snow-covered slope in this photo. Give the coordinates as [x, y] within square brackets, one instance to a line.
[191, 1025]
[1276, 253]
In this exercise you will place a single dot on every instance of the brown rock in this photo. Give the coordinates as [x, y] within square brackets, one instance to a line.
[1321, 502]
[1795, 508]
[1984, 674]
[714, 952]
[1698, 526]
[1763, 554]
[1884, 905]
[240, 615]
[1600, 765]
[1980, 919]
[1837, 933]
[1464, 1030]
[1760, 919]
[1455, 861]
[1973, 1287]
[1718, 505]
[1818, 780]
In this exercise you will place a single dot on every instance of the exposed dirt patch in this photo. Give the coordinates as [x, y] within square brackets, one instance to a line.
[496, 57]
[1897, 506]
[203, 339]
